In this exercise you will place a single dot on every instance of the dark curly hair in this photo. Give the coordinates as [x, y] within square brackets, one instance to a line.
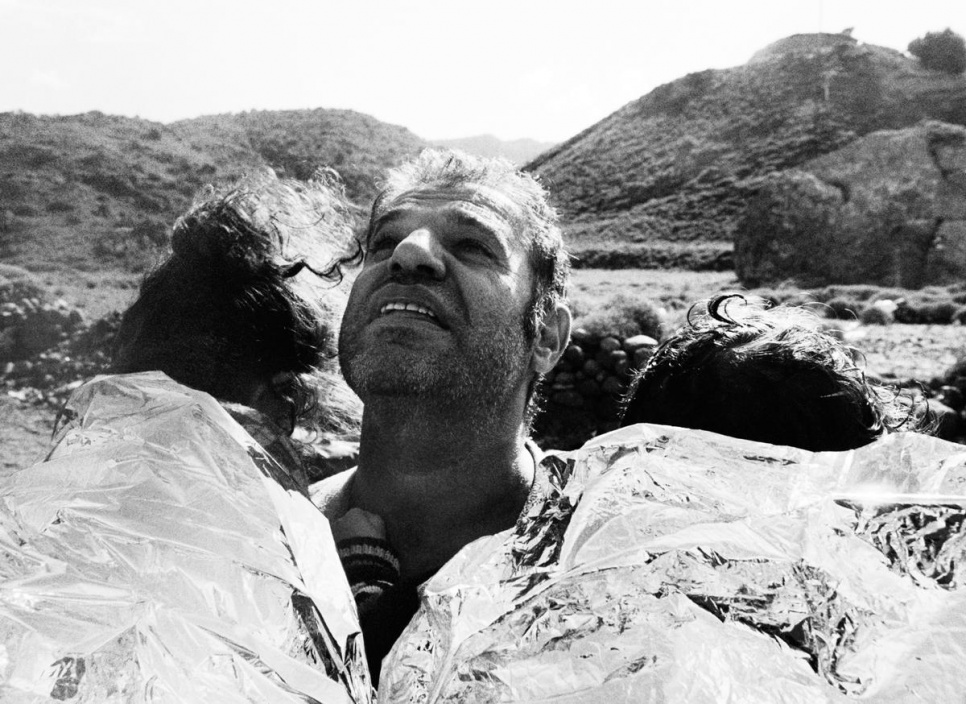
[771, 375]
[249, 298]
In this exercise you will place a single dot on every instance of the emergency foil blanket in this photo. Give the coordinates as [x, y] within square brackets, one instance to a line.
[672, 565]
[160, 555]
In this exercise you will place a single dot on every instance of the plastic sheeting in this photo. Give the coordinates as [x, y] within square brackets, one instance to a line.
[160, 555]
[670, 565]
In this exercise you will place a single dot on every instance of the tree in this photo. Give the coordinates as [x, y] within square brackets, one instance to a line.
[940, 51]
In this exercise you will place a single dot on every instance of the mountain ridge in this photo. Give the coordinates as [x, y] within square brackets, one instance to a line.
[94, 192]
[519, 151]
[663, 179]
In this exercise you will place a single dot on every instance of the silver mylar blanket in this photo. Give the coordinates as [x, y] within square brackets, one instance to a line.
[670, 565]
[159, 555]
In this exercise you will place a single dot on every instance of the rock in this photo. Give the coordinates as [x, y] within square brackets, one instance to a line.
[564, 380]
[641, 356]
[610, 344]
[574, 355]
[584, 338]
[591, 367]
[588, 388]
[614, 386]
[571, 399]
[888, 209]
[632, 344]
[622, 366]
[952, 397]
[564, 366]
[36, 337]
[948, 423]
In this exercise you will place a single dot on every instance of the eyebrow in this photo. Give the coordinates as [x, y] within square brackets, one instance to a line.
[459, 217]
[385, 219]
[464, 219]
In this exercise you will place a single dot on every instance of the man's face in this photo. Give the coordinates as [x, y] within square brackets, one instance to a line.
[438, 308]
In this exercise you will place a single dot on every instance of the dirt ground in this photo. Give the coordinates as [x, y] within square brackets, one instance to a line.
[25, 432]
[909, 351]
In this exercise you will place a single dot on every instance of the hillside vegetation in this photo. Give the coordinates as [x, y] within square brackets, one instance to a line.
[98, 193]
[664, 180]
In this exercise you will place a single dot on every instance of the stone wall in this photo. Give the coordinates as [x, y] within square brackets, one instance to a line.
[583, 392]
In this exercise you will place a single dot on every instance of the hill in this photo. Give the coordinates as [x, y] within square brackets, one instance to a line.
[519, 151]
[664, 180]
[297, 142]
[98, 193]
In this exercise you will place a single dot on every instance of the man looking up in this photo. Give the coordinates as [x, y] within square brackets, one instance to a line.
[456, 313]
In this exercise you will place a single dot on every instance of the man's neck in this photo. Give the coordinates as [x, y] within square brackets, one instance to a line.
[439, 478]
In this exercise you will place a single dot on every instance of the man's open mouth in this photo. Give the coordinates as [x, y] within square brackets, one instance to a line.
[400, 307]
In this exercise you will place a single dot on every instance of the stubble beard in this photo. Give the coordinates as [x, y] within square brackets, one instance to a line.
[480, 373]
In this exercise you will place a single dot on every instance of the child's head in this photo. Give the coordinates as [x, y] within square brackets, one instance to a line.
[771, 375]
[246, 306]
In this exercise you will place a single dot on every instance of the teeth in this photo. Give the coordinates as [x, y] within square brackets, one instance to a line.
[411, 307]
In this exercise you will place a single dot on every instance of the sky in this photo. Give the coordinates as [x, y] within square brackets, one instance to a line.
[539, 69]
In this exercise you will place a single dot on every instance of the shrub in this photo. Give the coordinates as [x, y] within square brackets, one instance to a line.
[907, 314]
[874, 315]
[940, 51]
[17, 283]
[844, 308]
[59, 206]
[937, 312]
[625, 316]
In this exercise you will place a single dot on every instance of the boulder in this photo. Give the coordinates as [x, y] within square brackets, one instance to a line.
[632, 344]
[947, 424]
[888, 209]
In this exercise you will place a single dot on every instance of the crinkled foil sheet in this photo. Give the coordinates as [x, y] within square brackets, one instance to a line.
[670, 565]
[159, 555]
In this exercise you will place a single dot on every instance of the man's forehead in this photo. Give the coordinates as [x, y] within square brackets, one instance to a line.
[486, 204]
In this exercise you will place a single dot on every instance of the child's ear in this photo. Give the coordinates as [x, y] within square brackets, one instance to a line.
[553, 336]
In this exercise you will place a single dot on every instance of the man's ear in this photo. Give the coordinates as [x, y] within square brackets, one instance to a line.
[553, 336]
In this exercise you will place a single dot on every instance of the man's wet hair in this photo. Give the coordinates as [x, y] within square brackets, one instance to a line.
[248, 293]
[771, 375]
[436, 169]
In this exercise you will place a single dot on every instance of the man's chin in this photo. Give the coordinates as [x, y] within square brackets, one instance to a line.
[395, 378]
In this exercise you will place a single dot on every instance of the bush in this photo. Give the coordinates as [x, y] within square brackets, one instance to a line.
[59, 206]
[17, 283]
[625, 316]
[937, 313]
[844, 308]
[940, 51]
[873, 315]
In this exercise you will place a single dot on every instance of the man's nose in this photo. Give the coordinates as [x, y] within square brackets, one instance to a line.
[419, 254]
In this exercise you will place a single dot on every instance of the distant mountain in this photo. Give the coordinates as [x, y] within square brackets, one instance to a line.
[519, 151]
[663, 181]
[95, 192]
[297, 142]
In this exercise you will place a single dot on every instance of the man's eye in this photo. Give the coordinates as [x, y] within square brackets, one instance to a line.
[380, 245]
[473, 248]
